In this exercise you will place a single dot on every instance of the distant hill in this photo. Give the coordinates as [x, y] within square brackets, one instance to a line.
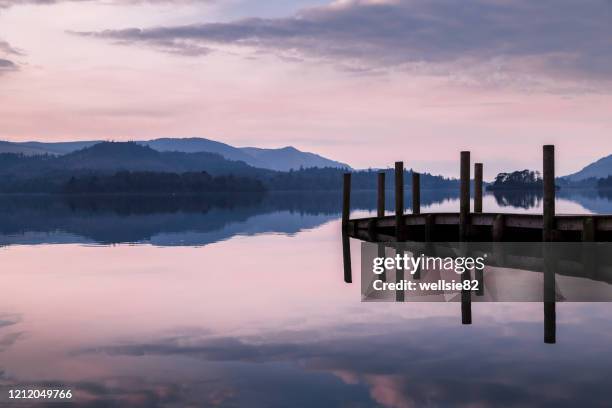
[288, 158]
[283, 159]
[59, 148]
[48, 173]
[130, 156]
[9, 147]
[132, 167]
[197, 144]
[602, 168]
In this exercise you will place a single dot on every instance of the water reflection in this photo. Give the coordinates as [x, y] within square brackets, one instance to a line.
[408, 362]
[518, 199]
[262, 318]
[201, 220]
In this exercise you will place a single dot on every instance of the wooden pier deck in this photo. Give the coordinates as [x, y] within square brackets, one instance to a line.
[481, 227]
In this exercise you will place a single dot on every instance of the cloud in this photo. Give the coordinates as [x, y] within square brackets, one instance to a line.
[7, 49]
[11, 3]
[494, 41]
[446, 366]
[7, 66]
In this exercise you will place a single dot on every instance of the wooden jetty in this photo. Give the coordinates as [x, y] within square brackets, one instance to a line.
[475, 226]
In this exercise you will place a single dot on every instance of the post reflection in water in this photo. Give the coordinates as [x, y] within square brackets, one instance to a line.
[515, 272]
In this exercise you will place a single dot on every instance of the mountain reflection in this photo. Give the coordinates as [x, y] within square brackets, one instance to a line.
[204, 219]
[170, 219]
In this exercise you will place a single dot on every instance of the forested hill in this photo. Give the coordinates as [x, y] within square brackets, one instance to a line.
[111, 157]
[111, 165]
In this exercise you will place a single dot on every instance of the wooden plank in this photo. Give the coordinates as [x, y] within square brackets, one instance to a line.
[414, 219]
[603, 223]
[523, 221]
[569, 223]
[483, 220]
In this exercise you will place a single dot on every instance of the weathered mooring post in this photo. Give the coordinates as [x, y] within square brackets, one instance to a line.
[416, 209]
[346, 200]
[588, 229]
[478, 209]
[380, 212]
[589, 255]
[548, 170]
[380, 202]
[416, 193]
[399, 221]
[466, 305]
[464, 216]
[550, 323]
[346, 211]
[464, 197]
[399, 200]
[478, 187]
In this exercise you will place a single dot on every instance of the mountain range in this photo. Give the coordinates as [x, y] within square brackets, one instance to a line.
[282, 159]
[134, 167]
[600, 169]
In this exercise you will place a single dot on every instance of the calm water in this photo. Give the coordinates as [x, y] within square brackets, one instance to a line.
[239, 301]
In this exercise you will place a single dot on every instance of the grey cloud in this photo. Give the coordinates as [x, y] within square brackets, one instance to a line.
[9, 320]
[11, 3]
[8, 49]
[7, 66]
[497, 41]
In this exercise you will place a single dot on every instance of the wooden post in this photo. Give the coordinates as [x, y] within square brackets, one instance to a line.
[466, 307]
[588, 229]
[381, 254]
[464, 215]
[499, 224]
[550, 323]
[416, 193]
[498, 228]
[399, 200]
[416, 209]
[548, 226]
[380, 202]
[346, 257]
[429, 227]
[400, 295]
[464, 197]
[589, 254]
[478, 187]
[346, 200]
[549, 192]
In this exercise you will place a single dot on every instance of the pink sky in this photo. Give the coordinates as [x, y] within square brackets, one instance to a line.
[363, 98]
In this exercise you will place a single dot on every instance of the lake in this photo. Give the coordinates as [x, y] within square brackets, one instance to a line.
[239, 301]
